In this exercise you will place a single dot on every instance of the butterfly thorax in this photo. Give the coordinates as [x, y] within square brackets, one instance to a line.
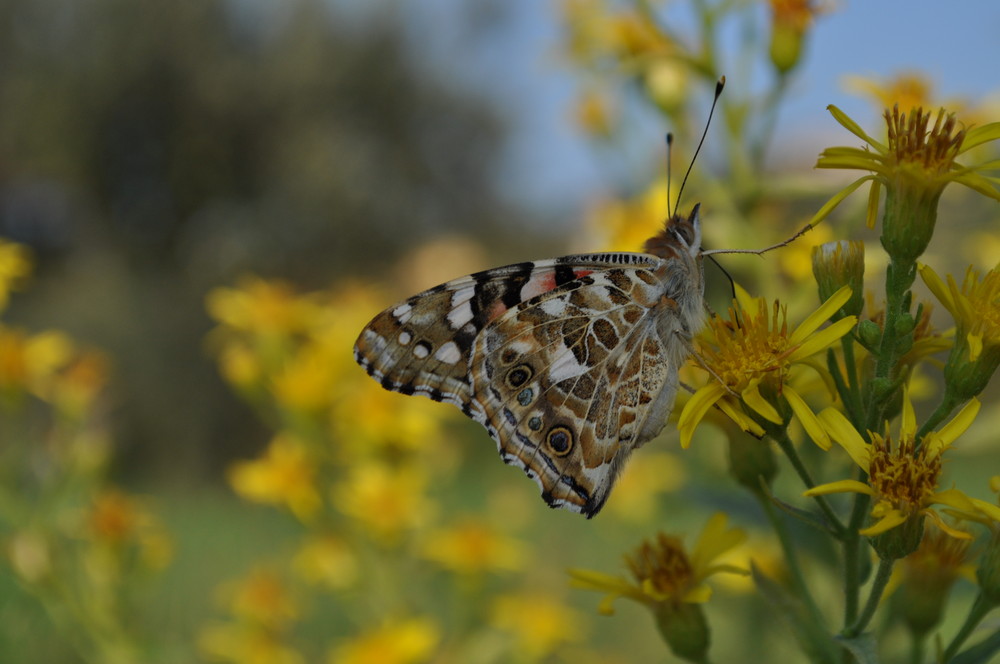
[682, 276]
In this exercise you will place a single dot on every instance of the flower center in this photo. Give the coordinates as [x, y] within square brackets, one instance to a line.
[750, 345]
[902, 476]
[664, 564]
[910, 142]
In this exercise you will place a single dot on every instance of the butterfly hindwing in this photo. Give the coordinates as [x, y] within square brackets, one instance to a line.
[567, 380]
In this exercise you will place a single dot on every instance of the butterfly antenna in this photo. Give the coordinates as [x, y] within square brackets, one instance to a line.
[670, 151]
[718, 92]
[732, 282]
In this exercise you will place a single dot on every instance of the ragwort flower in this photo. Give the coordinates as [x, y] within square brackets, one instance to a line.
[753, 354]
[976, 309]
[914, 166]
[902, 476]
[671, 582]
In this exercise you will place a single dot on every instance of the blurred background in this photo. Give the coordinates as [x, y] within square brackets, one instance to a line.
[152, 153]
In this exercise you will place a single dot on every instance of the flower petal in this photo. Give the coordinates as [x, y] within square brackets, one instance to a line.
[742, 420]
[698, 595]
[939, 441]
[874, 194]
[818, 317]
[808, 418]
[840, 486]
[975, 346]
[753, 398]
[838, 198]
[890, 520]
[847, 437]
[937, 287]
[850, 125]
[939, 522]
[823, 338]
[715, 540]
[695, 409]
[953, 498]
[908, 420]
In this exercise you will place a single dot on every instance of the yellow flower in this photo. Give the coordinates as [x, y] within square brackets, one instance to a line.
[920, 583]
[326, 560]
[790, 19]
[285, 475]
[473, 547]
[752, 355]
[267, 308]
[262, 599]
[407, 641]
[15, 265]
[594, 114]
[914, 165]
[637, 491]
[387, 501]
[976, 309]
[538, 622]
[626, 225]
[31, 362]
[245, 644]
[76, 388]
[906, 90]
[367, 419]
[664, 572]
[902, 476]
[304, 384]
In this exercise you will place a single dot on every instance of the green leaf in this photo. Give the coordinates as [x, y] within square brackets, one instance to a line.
[981, 653]
[861, 646]
[807, 517]
[813, 639]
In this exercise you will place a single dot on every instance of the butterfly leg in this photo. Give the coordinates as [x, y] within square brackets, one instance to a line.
[686, 341]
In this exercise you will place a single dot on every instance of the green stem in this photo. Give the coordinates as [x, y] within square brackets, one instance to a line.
[874, 597]
[852, 555]
[791, 557]
[785, 443]
[948, 404]
[917, 648]
[976, 614]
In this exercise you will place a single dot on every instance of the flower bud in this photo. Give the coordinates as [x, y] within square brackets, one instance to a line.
[901, 541]
[685, 630]
[839, 264]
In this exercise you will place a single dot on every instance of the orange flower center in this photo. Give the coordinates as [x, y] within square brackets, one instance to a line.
[911, 142]
[902, 476]
[663, 563]
[750, 345]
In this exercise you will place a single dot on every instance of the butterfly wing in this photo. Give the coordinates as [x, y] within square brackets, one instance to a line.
[563, 361]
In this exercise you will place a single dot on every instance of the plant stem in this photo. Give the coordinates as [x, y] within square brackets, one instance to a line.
[943, 410]
[852, 556]
[785, 443]
[874, 596]
[798, 580]
[976, 614]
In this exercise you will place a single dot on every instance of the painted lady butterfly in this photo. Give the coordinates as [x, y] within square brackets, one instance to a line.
[570, 363]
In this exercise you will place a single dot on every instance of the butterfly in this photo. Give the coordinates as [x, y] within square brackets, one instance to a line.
[570, 363]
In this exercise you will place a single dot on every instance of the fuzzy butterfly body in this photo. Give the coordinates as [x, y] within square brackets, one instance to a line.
[570, 363]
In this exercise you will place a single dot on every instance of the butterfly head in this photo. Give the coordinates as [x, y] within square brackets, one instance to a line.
[680, 236]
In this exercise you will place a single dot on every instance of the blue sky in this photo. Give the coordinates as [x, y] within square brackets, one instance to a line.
[548, 164]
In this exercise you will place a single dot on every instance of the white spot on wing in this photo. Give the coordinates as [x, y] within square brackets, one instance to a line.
[448, 353]
[554, 306]
[460, 315]
[421, 351]
[402, 312]
[405, 337]
[565, 367]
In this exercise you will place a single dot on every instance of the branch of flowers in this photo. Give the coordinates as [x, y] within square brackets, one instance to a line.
[785, 443]
[898, 279]
[874, 597]
[788, 548]
[976, 614]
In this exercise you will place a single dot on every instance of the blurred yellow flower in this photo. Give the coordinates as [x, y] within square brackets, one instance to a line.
[625, 225]
[30, 556]
[663, 570]
[304, 384]
[326, 560]
[538, 623]
[752, 353]
[902, 475]
[30, 362]
[367, 419]
[906, 90]
[257, 306]
[409, 641]
[284, 475]
[594, 114]
[118, 520]
[15, 265]
[637, 492]
[473, 547]
[262, 598]
[240, 366]
[975, 306]
[80, 383]
[245, 644]
[387, 501]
